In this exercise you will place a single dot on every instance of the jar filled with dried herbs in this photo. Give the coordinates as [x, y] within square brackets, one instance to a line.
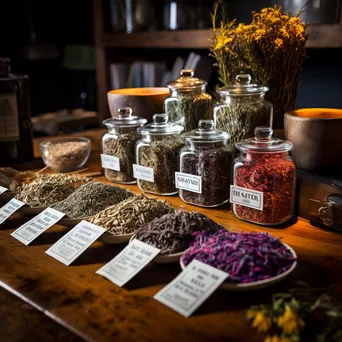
[205, 166]
[157, 156]
[264, 177]
[188, 102]
[118, 146]
[242, 109]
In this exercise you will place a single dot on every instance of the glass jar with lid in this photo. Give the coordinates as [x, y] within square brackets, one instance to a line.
[157, 156]
[205, 166]
[118, 146]
[188, 102]
[242, 109]
[264, 178]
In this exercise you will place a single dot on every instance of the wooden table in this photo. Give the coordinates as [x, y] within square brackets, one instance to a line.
[95, 309]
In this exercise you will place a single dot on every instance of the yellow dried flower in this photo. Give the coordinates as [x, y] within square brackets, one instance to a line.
[279, 43]
[262, 321]
[290, 322]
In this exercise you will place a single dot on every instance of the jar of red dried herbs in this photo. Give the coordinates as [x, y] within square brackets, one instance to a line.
[263, 179]
[118, 146]
[157, 156]
[205, 166]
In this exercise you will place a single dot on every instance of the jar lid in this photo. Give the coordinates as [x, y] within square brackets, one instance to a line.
[186, 81]
[160, 126]
[243, 86]
[263, 142]
[125, 119]
[206, 132]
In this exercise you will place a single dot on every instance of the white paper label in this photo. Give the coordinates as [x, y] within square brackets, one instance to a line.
[9, 208]
[9, 124]
[188, 182]
[143, 173]
[37, 225]
[2, 189]
[191, 287]
[129, 262]
[246, 197]
[73, 244]
[110, 162]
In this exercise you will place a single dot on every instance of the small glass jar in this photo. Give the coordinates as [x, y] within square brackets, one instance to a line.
[242, 109]
[188, 102]
[263, 179]
[206, 156]
[157, 152]
[118, 146]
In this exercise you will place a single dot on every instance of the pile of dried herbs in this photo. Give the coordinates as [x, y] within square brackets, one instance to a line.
[91, 198]
[122, 146]
[129, 215]
[49, 189]
[213, 164]
[172, 233]
[188, 109]
[161, 155]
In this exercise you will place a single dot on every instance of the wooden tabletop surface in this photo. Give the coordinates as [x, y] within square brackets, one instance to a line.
[97, 310]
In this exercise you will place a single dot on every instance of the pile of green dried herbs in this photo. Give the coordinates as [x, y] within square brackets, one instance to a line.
[172, 233]
[49, 189]
[161, 155]
[91, 198]
[129, 215]
[122, 146]
[188, 109]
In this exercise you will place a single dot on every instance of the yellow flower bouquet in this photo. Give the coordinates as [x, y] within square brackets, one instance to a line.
[271, 49]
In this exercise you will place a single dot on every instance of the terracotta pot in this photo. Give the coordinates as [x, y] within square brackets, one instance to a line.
[316, 134]
[144, 101]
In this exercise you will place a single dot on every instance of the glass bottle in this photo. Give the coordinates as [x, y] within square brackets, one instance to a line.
[205, 166]
[242, 109]
[157, 156]
[264, 179]
[16, 145]
[118, 146]
[188, 102]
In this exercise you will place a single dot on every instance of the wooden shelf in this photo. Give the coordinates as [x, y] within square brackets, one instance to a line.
[185, 39]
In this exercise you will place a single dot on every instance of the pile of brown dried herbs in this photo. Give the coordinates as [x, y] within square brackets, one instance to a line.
[172, 233]
[91, 198]
[49, 189]
[129, 215]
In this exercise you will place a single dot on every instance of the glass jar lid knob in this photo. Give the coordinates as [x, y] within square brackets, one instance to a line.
[186, 73]
[125, 113]
[206, 125]
[243, 79]
[263, 133]
[160, 119]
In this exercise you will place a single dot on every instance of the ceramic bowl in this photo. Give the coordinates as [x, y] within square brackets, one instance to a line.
[316, 135]
[144, 101]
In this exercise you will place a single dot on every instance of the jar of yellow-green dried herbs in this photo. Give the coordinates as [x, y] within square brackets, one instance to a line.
[157, 156]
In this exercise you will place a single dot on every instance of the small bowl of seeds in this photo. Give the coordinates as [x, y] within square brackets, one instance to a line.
[65, 154]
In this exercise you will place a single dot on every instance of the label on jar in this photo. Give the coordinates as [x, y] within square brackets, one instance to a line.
[110, 162]
[37, 225]
[143, 173]
[188, 182]
[9, 123]
[129, 262]
[249, 198]
[191, 287]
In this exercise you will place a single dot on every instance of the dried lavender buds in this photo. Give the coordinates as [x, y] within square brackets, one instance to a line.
[172, 233]
[49, 189]
[91, 198]
[129, 215]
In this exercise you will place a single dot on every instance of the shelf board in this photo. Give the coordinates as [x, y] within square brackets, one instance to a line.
[185, 39]
[320, 36]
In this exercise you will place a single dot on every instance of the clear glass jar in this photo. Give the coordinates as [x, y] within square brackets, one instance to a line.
[242, 109]
[188, 102]
[264, 178]
[158, 152]
[118, 146]
[207, 156]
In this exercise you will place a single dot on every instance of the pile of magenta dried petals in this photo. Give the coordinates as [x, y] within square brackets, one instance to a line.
[246, 257]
